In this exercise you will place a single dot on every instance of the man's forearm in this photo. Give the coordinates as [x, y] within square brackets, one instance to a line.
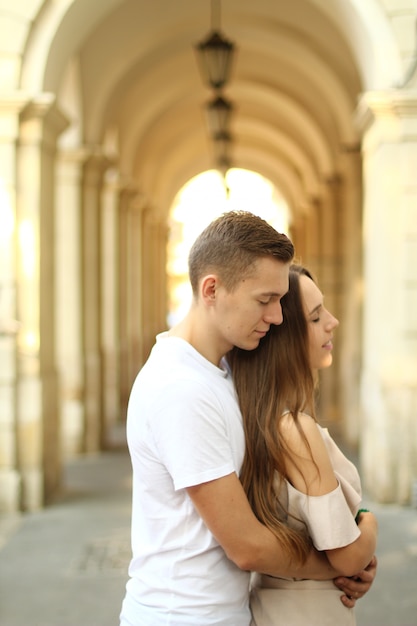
[316, 567]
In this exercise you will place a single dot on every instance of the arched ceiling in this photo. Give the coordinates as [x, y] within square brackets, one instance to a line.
[294, 86]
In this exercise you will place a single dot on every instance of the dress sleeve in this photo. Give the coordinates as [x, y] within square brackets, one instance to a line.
[329, 519]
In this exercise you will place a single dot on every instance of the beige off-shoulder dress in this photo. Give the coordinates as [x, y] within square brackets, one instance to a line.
[330, 521]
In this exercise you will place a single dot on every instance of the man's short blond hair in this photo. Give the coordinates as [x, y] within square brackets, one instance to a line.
[231, 245]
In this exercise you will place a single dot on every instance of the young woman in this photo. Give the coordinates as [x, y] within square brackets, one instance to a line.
[298, 482]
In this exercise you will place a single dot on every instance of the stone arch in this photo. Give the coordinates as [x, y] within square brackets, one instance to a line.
[367, 29]
[125, 130]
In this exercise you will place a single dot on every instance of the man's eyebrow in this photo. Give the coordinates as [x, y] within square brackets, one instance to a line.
[271, 293]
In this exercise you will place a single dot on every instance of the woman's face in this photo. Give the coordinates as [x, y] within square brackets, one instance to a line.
[320, 324]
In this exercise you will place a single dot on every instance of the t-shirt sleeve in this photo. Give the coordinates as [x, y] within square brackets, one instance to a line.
[190, 434]
[329, 520]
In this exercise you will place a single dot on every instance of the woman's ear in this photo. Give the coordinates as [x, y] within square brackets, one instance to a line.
[208, 288]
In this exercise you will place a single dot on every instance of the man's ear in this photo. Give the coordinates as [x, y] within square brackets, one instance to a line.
[208, 288]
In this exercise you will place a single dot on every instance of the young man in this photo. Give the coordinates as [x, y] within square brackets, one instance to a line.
[194, 536]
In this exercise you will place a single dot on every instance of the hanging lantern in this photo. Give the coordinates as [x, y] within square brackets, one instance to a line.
[218, 113]
[215, 55]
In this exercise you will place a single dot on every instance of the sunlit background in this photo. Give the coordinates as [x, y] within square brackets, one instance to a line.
[201, 200]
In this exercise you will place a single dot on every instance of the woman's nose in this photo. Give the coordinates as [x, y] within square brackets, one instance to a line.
[333, 321]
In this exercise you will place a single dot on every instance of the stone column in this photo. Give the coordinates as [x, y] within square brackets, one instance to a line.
[130, 288]
[154, 279]
[311, 256]
[389, 376]
[10, 483]
[110, 305]
[330, 282]
[37, 385]
[91, 233]
[137, 271]
[68, 254]
[349, 333]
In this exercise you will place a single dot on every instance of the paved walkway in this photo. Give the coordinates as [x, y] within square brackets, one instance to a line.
[66, 565]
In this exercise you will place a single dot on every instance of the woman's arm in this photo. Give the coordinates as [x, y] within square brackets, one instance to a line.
[309, 470]
[356, 556]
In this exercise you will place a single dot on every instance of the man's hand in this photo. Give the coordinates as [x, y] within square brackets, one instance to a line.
[355, 587]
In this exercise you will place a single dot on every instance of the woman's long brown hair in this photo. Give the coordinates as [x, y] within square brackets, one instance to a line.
[270, 381]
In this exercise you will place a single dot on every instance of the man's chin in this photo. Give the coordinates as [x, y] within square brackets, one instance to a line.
[252, 344]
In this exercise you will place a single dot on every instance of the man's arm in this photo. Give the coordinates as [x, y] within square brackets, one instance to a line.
[225, 509]
[357, 586]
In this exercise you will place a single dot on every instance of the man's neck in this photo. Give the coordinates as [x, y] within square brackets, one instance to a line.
[196, 330]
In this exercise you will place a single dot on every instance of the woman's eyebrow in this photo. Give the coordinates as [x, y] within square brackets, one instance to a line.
[316, 309]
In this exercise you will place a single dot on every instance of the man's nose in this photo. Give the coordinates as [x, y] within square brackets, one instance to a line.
[274, 314]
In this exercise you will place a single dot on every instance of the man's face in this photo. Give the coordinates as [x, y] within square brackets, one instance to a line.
[245, 315]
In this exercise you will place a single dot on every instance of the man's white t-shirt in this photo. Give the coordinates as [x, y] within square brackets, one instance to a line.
[184, 428]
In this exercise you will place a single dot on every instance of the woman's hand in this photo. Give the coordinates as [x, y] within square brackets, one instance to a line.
[357, 586]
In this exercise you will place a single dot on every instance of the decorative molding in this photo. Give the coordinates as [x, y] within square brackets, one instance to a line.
[379, 104]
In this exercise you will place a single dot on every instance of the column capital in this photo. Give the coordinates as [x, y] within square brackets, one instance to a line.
[95, 163]
[388, 106]
[11, 105]
[132, 198]
[44, 109]
[13, 102]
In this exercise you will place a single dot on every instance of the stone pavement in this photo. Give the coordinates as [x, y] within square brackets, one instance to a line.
[67, 565]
